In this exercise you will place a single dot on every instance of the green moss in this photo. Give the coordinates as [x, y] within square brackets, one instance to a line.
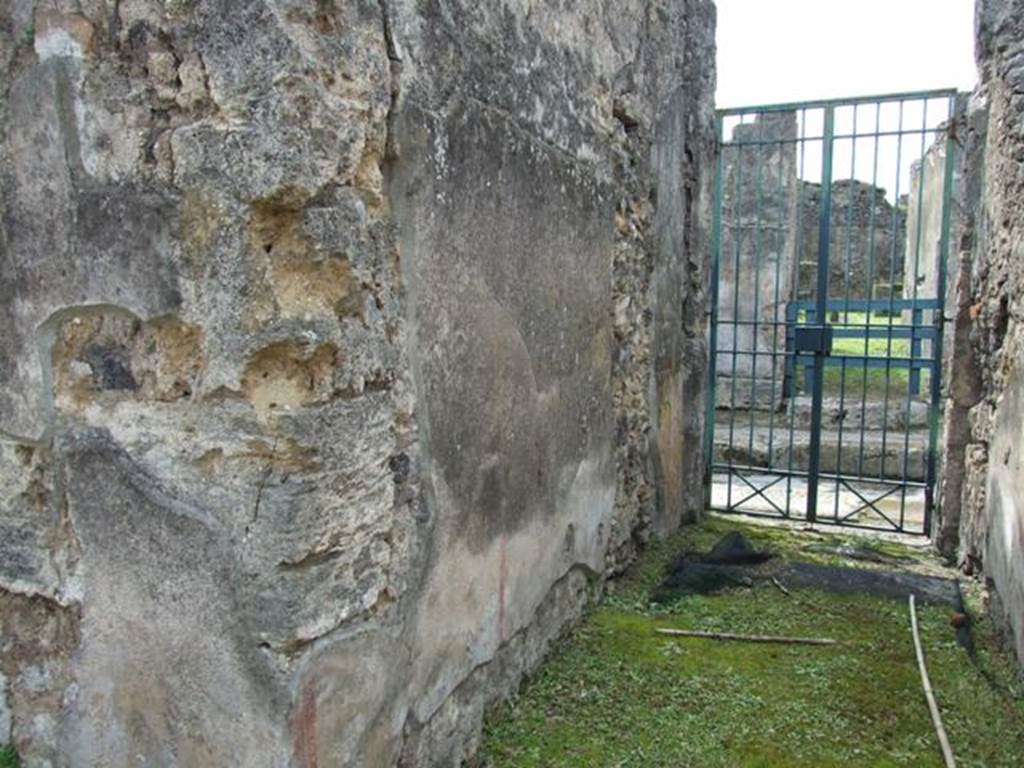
[617, 694]
[8, 757]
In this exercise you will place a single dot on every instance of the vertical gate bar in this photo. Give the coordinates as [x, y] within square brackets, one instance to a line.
[914, 315]
[870, 292]
[758, 243]
[849, 221]
[814, 460]
[738, 238]
[939, 318]
[851, 202]
[775, 311]
[839, 439]
[796, 287]
[716, 256]
[811, 317]
[789, 377]
[892, 290]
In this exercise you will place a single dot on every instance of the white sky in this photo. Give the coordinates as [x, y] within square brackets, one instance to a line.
[772, 51]
[790, 50]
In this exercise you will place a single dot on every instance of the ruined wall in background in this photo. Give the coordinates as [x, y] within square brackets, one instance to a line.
[868, 237]
[756, 270]
[770, 232]
[345, 345]
[985, 413]
[925, 205]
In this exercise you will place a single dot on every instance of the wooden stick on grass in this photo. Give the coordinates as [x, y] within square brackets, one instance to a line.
[748, 638]
[933, 707]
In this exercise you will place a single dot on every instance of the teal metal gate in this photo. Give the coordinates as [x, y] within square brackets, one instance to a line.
[831, 240]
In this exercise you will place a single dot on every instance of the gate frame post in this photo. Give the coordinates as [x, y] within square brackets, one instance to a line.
[939, 320]
[712, 377]
[821, 299]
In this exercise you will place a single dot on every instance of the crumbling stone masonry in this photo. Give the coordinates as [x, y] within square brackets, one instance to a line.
[346, 345]
[868, 240]
[982, 520]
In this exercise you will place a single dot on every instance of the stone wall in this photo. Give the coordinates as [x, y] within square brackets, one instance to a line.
[961, 377]
[983, 493]
[346, 346]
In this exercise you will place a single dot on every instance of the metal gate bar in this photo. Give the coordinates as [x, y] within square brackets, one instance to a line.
[802, 306]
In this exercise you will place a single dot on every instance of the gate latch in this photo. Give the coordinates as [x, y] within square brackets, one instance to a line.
[816, 339]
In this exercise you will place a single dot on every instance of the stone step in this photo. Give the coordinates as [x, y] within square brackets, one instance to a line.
[771, 448]
[871, 415]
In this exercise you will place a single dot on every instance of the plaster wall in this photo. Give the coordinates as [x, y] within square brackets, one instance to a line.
[348, 346]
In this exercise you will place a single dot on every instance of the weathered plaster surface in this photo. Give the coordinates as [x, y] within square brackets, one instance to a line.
[347, 345]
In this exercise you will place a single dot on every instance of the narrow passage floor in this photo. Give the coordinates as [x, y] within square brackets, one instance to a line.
[616, 693]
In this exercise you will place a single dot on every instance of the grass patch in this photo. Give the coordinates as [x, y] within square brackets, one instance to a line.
[856, 384]
[616, 694]
[876, 347]
[872, 382]
[8, 757]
